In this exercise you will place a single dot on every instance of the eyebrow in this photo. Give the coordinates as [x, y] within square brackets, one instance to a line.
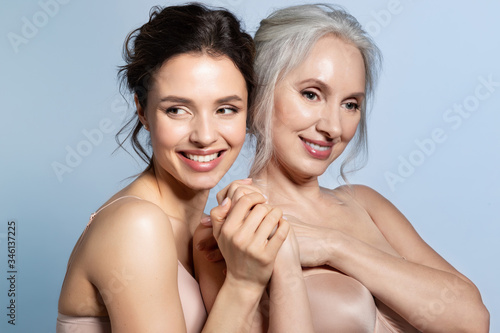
[359, 94]
[323, 86]
[175, 99]
[231, 98]
[182, 100]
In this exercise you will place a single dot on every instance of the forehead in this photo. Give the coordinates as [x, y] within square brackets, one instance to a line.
[199, 72]
[334, 61]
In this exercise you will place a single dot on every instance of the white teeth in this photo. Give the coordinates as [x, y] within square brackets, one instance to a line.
[316, 147]
[202, 158]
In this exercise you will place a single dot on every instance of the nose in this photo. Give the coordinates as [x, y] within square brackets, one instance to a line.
[204, 131]
[330, 122]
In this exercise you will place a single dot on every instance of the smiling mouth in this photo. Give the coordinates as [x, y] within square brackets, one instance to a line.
[316, 146]
[202, 158]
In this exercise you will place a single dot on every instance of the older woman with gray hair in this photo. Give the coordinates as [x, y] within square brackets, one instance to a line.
[365, 268]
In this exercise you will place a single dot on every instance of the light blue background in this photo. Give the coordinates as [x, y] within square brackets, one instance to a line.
[62, 82]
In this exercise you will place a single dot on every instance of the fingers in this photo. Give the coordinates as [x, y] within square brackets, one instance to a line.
[256, 217]
[214, 255]
[207, 243]
[241, 209]
[206, 221]
[279, 236]
[237, 189]
[218, 215]
[269, 224]
[230, 188]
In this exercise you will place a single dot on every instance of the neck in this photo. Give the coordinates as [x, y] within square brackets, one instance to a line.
[282, 187]
[174, 198]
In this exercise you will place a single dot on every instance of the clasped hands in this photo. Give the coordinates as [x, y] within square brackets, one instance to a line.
[303, 243]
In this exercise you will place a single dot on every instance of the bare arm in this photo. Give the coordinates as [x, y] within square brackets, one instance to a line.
[243, 238]
[133, 264]
[289, 309]
[421, 287]
[286, 307]
[211, 277]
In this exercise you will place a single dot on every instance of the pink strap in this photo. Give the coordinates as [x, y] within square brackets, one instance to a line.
[112, 202]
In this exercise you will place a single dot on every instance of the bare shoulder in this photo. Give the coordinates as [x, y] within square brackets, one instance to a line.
[367, 197]
[131, 218]
[129, 231]
[130, 256]
[357, 191]
[396, 228]
[383, 213]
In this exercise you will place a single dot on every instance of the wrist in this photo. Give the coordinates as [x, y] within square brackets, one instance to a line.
[286, 267]
[335, 243]
[236, 302]
[243, 289]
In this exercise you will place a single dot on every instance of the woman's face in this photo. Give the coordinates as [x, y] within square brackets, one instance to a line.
[196, 114]
[317, 108]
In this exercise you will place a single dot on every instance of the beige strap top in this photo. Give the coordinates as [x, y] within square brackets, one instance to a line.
[189, 292]
[340, 303]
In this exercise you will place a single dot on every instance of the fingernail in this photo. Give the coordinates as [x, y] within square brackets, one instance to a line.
[200, 246]
[206, 221]
[224, 202]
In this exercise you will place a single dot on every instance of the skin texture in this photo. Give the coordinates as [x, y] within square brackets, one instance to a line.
[317, 102]
[352, 229]
[184, 120]
[285, 265]
[129, 255]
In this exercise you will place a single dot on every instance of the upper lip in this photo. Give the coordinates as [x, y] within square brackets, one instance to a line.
[201, 152]
[319, 142]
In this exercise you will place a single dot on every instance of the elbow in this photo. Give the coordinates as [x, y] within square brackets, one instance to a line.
[478, 320]
[478, 314]
[475, 315]
[481, 320]
[485, 320]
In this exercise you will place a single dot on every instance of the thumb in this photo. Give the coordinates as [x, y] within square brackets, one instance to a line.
[218, 216]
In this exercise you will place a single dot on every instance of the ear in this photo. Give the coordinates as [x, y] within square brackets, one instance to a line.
[141, 113]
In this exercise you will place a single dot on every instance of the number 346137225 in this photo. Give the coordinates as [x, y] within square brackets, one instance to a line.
[11, 244]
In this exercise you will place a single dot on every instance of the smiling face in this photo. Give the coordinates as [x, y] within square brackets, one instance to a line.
[317, 108]
[196, 113]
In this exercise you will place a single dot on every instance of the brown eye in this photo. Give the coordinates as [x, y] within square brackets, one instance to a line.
[175, 111]
[226, 110]
[310, 95]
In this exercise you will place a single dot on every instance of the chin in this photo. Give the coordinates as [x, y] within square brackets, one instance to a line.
[203, 183]
[312, 169]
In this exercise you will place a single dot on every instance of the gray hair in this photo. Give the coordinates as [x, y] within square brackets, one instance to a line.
[283, 41]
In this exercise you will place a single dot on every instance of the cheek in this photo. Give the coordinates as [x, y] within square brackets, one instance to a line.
[281, 140]
[234, 133]
[167, 135]
[349, 128]
[294, 115]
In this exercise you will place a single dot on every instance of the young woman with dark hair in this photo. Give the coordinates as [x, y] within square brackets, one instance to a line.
[190, 71]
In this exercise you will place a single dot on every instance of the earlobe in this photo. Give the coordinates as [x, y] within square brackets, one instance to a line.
[141, 113]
